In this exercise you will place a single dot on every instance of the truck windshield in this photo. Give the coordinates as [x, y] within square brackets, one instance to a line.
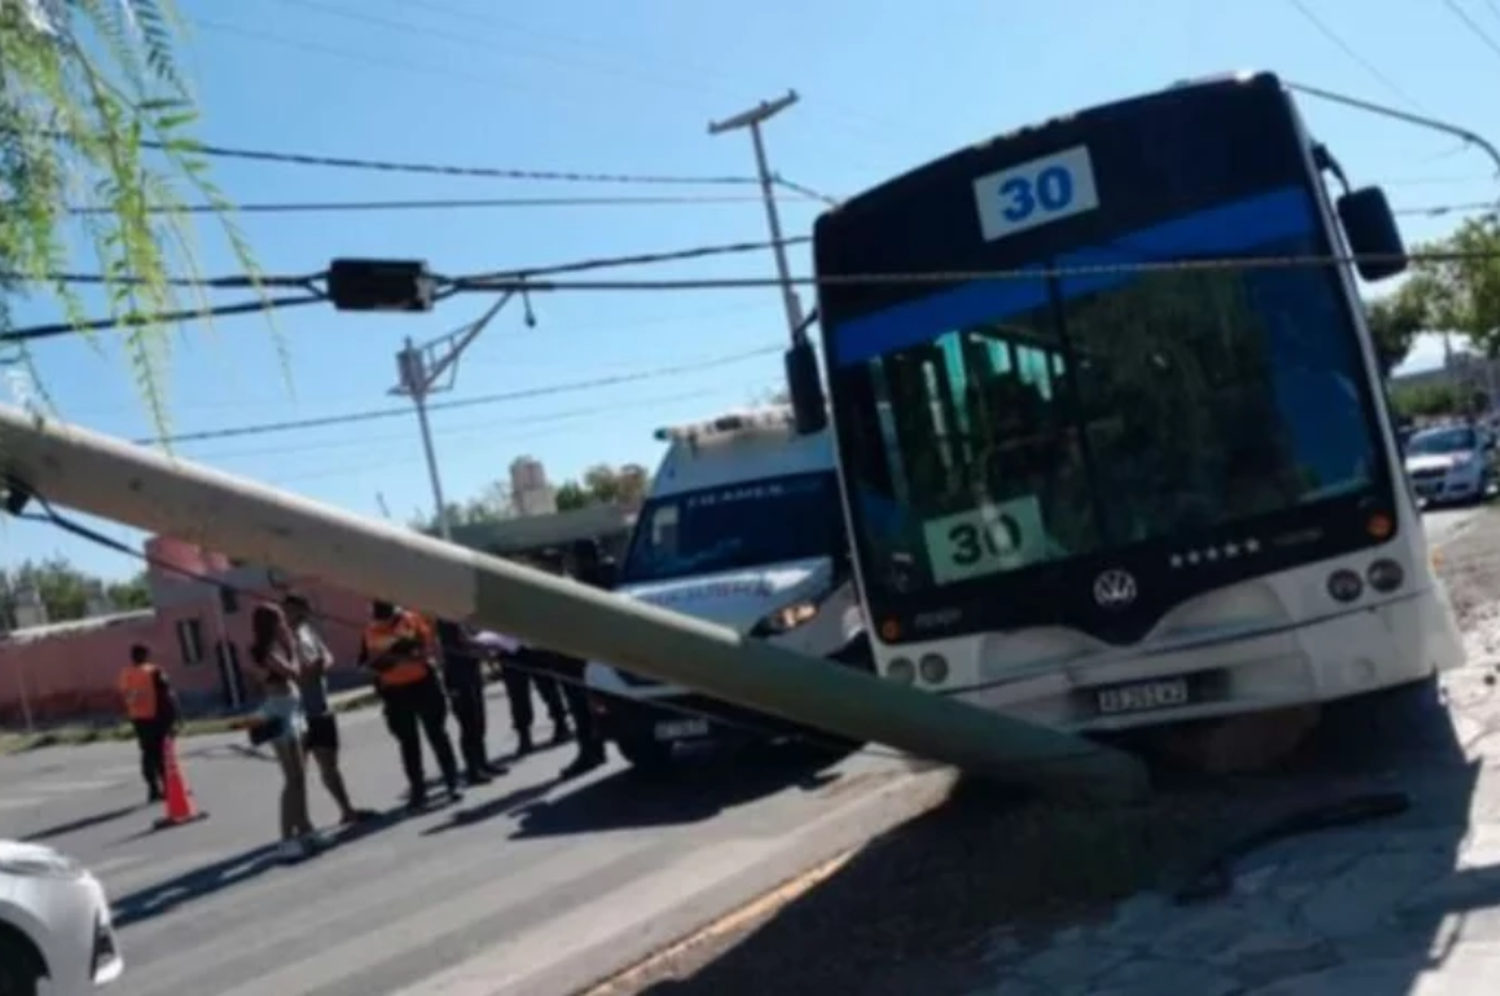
[1026, 421]
[736, 526]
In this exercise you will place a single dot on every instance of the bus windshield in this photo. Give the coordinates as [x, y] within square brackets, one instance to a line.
[736, 526]
[1023, 422]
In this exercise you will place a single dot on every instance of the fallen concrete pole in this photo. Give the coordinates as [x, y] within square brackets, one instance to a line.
[73, 467]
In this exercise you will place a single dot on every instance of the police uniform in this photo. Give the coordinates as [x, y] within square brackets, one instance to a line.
[463, 672]
[413, 695]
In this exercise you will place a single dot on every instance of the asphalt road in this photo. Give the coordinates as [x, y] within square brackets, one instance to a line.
[527, 886]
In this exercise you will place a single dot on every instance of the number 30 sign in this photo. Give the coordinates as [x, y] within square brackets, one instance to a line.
[1036, 193]
[984, 540]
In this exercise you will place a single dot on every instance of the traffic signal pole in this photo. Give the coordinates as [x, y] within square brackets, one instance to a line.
[49, 463]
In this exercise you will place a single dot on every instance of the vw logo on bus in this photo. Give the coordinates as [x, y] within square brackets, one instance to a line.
[1114, 589]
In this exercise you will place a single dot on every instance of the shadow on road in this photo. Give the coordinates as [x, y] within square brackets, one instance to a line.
[72, 826]
[473, 815]
[155, 900]
[962, 898]
[697, 788]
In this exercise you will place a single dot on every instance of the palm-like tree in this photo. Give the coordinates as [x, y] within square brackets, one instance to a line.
[95, 115]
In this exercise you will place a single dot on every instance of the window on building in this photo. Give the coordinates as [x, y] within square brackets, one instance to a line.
[190, 640]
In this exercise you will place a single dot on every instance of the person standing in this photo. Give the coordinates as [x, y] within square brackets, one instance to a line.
[463, 673]
[588, 567]
[273, 651]
[520, 670]
[399, 648]
[314, 660]
[152, 708]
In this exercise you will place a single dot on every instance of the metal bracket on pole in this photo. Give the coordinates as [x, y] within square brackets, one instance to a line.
[432, 368]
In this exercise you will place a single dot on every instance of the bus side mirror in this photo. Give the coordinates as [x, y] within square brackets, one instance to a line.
[1371, 231]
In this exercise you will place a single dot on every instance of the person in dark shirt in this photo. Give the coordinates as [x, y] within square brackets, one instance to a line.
[463, 669]
[589, 567]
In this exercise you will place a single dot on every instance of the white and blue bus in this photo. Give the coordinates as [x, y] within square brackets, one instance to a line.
[1146, 473]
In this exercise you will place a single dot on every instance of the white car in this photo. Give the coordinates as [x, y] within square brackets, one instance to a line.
[1449, 464]
[56, 933]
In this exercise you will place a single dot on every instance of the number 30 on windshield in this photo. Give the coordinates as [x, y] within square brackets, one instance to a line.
[1036, 193]
[969, 542]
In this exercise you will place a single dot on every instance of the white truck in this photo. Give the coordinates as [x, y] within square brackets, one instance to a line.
[742, 526]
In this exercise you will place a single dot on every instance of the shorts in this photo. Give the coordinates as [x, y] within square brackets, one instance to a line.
[322, 733]
[287, 709]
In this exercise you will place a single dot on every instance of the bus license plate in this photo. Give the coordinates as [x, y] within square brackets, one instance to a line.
[1143, 696]
[681, 729]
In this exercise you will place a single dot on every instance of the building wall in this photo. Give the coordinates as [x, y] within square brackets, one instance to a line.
[66, 672]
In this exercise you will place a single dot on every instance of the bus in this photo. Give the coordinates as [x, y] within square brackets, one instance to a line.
[1112, 440]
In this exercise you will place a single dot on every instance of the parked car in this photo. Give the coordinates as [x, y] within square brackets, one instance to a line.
[56, 932]
[1450, 463]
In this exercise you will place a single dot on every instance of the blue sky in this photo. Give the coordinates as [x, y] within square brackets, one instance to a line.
[597, 86]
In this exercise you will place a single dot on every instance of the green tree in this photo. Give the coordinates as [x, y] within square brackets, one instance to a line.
[1426, 400]
[605, 484]
[1394, 323]
[87, 89]
[67, 591]
[1461, 291]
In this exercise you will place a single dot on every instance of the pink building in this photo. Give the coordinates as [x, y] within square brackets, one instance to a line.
[200, 636]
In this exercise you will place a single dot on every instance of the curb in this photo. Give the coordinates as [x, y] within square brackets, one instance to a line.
[816, 847]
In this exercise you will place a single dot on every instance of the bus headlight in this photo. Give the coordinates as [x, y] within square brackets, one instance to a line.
[933, 668]
[901, 671]
[1385, 576]
[1345, 586]
[786, 619]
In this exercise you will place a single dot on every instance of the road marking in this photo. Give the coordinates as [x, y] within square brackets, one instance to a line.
[512, 962]
[412, 933]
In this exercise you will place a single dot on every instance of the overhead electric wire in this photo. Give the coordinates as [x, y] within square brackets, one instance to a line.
[309, 282]
[1338, 41]
[446, 169]
[522, 394]
[452, 431]
[440, 204]
[1474, 27]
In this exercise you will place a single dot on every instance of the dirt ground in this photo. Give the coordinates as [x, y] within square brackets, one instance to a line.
[938, 905]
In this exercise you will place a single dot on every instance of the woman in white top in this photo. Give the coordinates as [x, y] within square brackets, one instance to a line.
[273, 651]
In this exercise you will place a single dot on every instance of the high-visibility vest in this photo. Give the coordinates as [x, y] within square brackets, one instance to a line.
[138, 688]
[380, 636]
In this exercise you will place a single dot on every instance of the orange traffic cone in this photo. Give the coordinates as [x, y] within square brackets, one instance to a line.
[179, 797]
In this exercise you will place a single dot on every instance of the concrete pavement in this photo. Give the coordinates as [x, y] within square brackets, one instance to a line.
[1406, 906]
[526, 887]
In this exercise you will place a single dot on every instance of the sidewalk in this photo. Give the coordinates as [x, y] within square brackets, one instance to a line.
[1409, 906]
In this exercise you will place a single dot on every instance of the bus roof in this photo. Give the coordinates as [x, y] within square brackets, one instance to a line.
[940, 168]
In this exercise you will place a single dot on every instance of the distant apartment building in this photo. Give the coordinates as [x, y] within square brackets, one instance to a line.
[530, 492]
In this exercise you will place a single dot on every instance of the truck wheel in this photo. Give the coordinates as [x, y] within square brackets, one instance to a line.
[646, 755]
[20, 972]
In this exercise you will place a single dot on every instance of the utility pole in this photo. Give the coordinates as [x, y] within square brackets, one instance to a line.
[433, 368]
[72, 467]
[753, 119]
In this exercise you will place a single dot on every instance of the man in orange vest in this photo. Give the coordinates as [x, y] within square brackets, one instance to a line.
[151, 706]
[400, 648]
